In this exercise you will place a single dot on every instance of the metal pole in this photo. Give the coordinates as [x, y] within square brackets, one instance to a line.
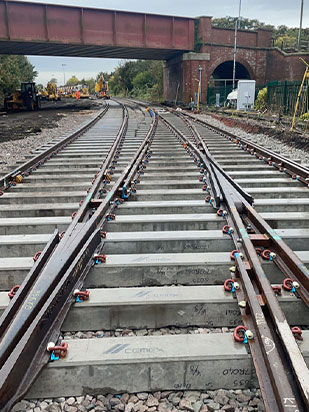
[63, 73]
[237, 23]
[200, 70]
[300, 23]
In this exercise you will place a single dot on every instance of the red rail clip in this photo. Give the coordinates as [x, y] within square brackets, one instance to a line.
[277, 290]
[36, 256]
[268, 254]
[221, 212]
[230, 286]
[227, 229]
[289, 285]
[81, 295]
[233, 253]
[241, 334]
[60, 350]
[13, 291]
[297, 332]
[99, 259]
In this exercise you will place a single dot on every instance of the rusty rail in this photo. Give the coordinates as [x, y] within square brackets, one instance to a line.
[276, 160]
[281, 369]
[40, 159]
[287, 261]
[34, 317]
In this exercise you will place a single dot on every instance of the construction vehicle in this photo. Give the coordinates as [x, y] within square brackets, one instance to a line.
[65, 91]
[43, 93]
[25, 98]
[52, 92]
[101, 88]
[84, 92]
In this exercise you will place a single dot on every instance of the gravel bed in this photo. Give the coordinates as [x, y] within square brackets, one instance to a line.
[262, 139]
[172, 330]
[16, 150]
[247, 400]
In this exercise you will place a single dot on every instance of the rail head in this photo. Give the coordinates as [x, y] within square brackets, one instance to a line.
[271, 330]
[63, 272]
[39, 160]
[274, 159]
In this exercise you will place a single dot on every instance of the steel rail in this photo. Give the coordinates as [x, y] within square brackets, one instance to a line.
[27, 285]
[101, 176]
[287, 261]
[285, 165]
[268, 320]
[217, 195]
[201, 150]
[42, 310]
[276, 355]
[199, 141]
[44, 156]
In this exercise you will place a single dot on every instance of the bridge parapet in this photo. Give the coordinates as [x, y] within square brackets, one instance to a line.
[43, 29]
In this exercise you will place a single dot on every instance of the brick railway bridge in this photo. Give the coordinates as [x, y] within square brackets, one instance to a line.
[54, 30]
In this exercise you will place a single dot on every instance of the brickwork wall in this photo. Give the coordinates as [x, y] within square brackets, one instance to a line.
[283, 67]
[254, 52]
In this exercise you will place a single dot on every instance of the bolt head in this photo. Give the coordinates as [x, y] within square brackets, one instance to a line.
[50, 345]
[249, 334]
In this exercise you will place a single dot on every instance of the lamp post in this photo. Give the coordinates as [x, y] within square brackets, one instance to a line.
[237, 23]
[63, 65]
[300, 23]
[200, 68]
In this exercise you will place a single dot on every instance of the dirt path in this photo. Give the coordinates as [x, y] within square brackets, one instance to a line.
[21, 132]
[19, 125]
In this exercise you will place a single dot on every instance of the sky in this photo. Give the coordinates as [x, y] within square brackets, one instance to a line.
[275, 12]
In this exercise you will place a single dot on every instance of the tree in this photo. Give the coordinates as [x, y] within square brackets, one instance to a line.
[105, 75]
[281, 33]
[53, 80]
[228, 22]
[128, 70]
[14, 70]
[90, 83]
[73, 81]
[142, 79]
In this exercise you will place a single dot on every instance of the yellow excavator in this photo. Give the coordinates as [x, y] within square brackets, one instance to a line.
[43, 93]
[25, 98]
[52, 92]
[101, 88]
[84, 92]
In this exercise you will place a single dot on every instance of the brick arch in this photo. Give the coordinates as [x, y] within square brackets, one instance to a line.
[239, 60]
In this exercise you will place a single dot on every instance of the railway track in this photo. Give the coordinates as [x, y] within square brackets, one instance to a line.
[161, 262]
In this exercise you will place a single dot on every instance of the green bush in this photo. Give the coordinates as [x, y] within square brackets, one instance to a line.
[261, 101]
[305, 116]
